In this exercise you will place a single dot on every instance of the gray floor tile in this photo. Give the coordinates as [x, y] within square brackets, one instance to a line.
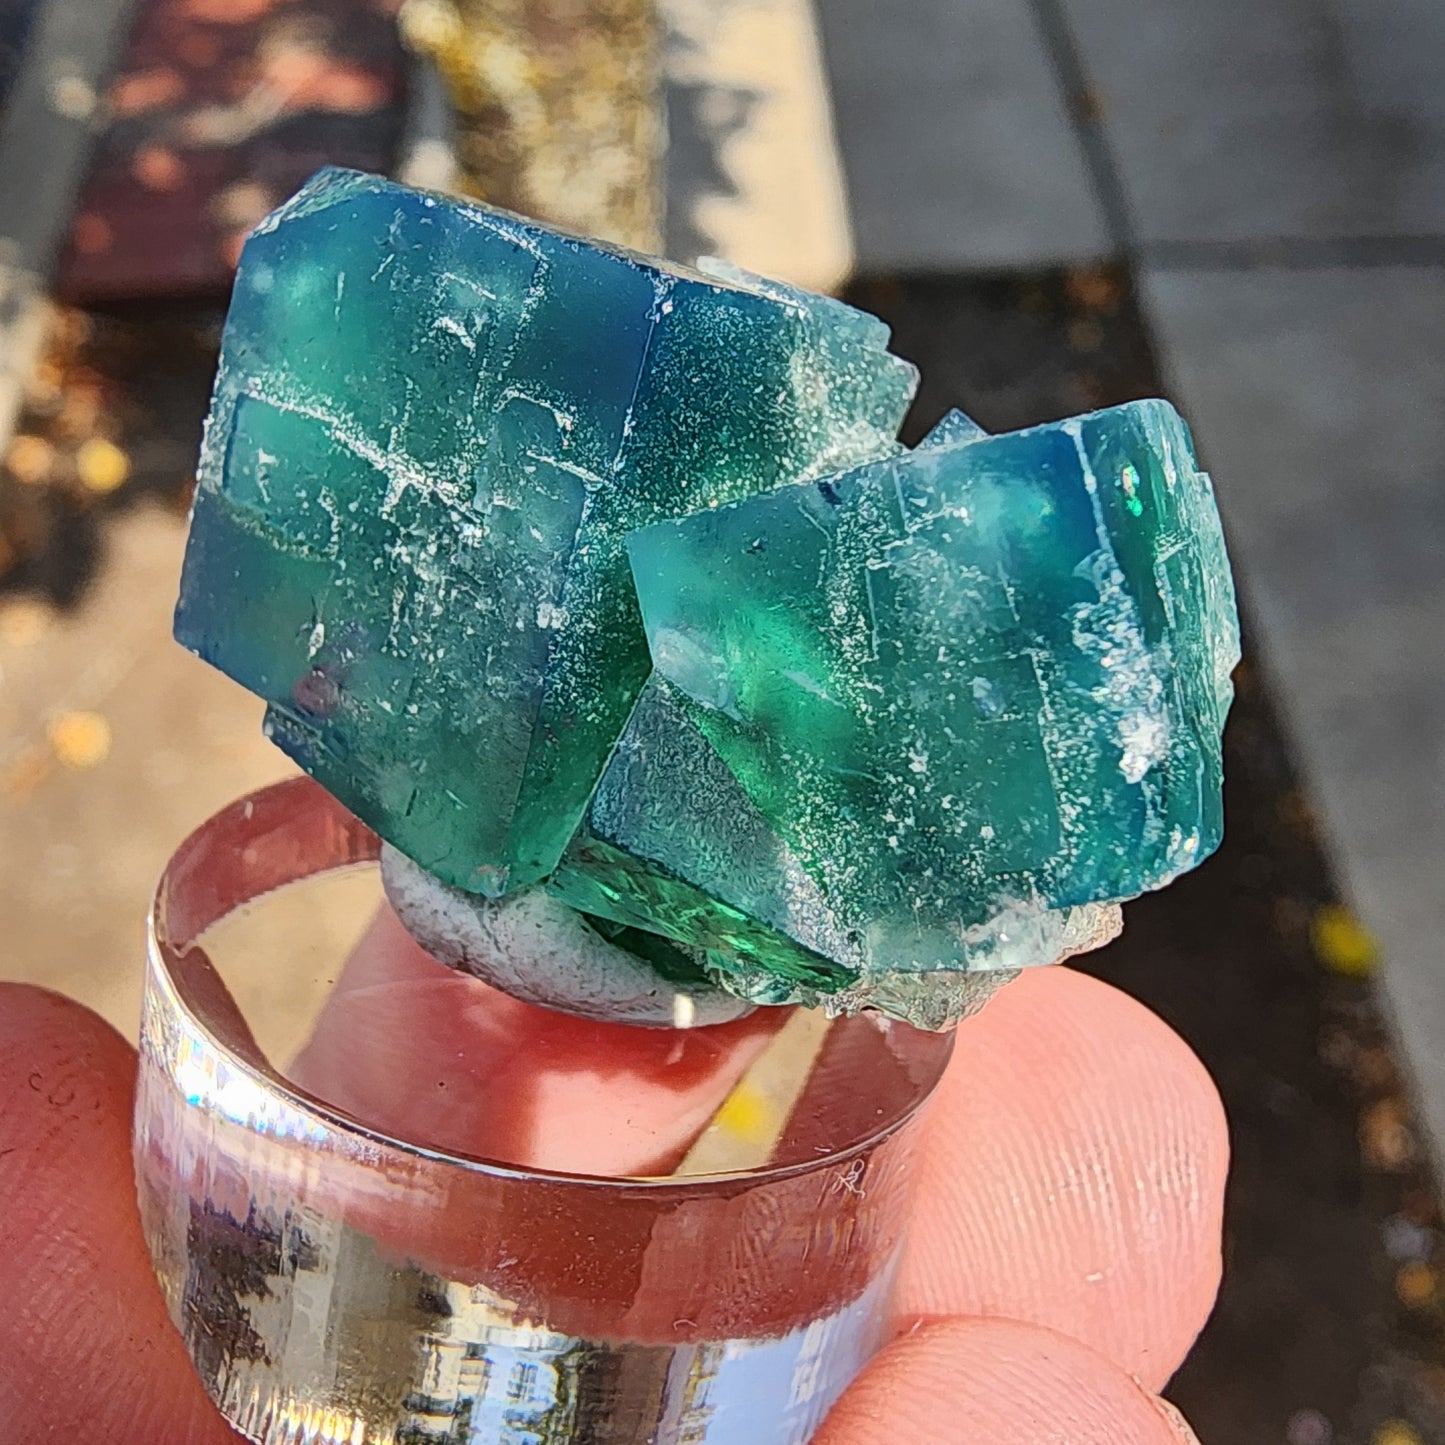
[1240, 120]
[1317, 400]
[954, 140]
[752, 171]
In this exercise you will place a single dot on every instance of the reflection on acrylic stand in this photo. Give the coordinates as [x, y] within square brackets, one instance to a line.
[389, 1204]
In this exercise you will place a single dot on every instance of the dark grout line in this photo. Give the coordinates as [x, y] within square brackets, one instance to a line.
[1079, 98]
[1295, 253]
[1283, 253]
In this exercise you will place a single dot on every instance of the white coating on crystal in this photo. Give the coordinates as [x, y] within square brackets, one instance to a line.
[1019, 937]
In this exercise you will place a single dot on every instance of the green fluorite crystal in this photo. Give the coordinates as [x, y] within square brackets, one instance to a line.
[926, 715]
[433, 426]
[991, 670]
[575, 572]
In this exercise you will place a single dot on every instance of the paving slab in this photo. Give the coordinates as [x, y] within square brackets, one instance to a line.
[114, 744]
[752, 172]
[956, 145]
[1316, 398]
[1266, 120]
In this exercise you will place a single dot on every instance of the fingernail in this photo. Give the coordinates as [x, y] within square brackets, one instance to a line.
[1176, 1422]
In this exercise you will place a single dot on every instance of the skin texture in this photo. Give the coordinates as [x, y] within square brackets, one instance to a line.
[1064, 1252]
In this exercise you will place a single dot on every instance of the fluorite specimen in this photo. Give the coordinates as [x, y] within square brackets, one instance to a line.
[593, 584]
[433, 426]
[925, 715]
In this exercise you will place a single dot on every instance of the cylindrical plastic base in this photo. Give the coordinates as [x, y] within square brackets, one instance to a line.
[387, 1204]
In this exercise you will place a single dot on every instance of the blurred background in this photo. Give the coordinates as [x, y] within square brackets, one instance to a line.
[1057, 205]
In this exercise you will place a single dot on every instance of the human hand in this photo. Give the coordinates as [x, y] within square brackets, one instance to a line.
[1064, 1250]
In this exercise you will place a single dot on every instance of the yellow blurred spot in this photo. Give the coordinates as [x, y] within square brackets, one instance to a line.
[101, 465]
[1416, 1284]
[30, 459]
[1342, 943]
[431, 24]
[1395, 1432]
[746, 1114]
[22, 622]
[80, 739]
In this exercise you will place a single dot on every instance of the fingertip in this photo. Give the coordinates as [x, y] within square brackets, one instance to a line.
[1074, 1178]
[65, 1076]
[29, 1014]
[962, 1382]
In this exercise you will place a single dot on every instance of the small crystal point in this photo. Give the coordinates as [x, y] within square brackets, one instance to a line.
[953, 429]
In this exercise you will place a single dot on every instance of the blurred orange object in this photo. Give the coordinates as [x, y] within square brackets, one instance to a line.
[80, 739]
[218, 98]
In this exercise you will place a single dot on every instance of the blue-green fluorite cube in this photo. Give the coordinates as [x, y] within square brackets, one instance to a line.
[434, 424]
[966, 687]
[881, 718]
[672, 843]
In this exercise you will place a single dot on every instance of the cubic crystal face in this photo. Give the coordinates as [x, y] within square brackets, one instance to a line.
[671, 843]
[574, 572]
[968, 688]
[434, 424]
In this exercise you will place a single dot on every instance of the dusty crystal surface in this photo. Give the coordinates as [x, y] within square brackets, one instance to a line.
[971, 689]
[602, 588]
[433, 426]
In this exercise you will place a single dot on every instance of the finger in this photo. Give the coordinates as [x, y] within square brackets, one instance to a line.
[440, 1058]
[1073, 1176]
[424, 1053]
[87, 1353]
[998, 1382]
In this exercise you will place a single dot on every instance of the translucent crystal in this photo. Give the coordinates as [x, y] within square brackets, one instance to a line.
[953, 429]
[602, 588]
[673, 844]
[433, 426]
[965, 687]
